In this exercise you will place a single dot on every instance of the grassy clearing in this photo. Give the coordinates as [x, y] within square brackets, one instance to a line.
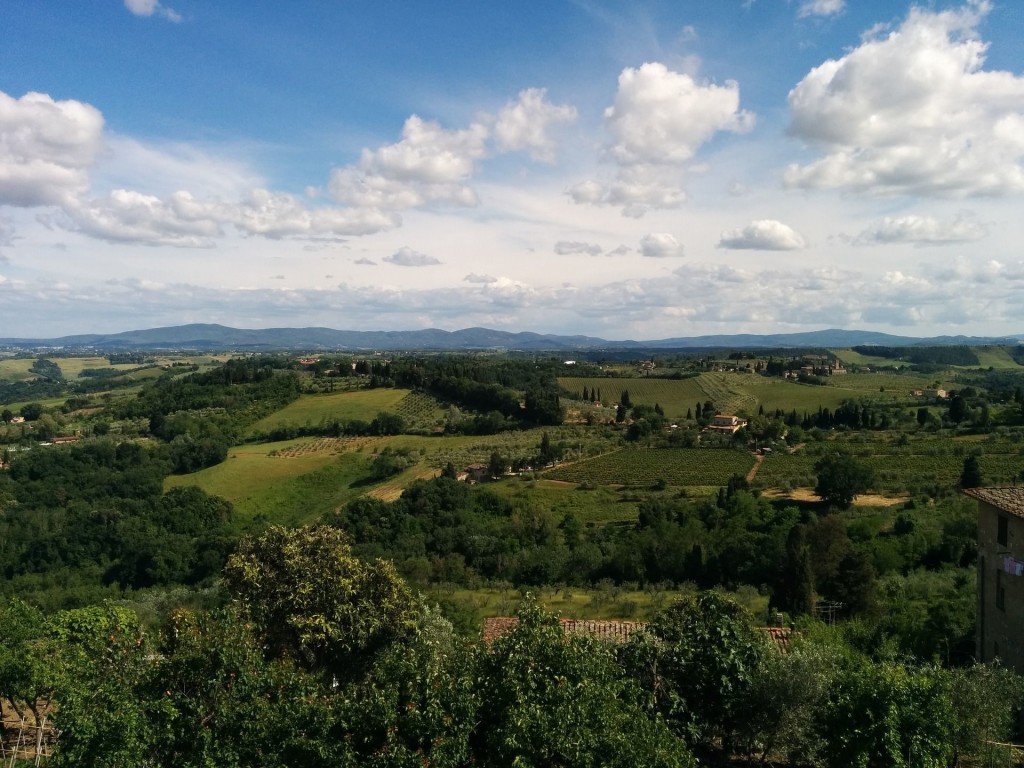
[16, 369]
[779, 394]
[850, 357]
[745, 393]
[72, 367]
[995, 357]
[362, 404]
[673, 395]
[599, 506]
[286, 482]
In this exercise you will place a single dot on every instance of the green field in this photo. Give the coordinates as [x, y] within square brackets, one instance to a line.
[746, 393]
[674, 396]
[362, 404]
[676, 466]
[996, 357]
[16, 369]
[899, 469]
[598, 506]
[289, 482]
[778, 394]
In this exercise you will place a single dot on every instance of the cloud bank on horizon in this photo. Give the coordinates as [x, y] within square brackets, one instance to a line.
[672, 169]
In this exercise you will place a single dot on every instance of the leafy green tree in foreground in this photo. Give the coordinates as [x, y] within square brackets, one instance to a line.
[550, 699]
[316, 603]
[841, 478]
[888, 714]
[700, 665]
[22, 687]
[96, 660]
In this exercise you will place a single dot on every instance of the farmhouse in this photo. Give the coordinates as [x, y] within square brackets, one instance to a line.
[475, 473]
[727, 423]
[1000, 599]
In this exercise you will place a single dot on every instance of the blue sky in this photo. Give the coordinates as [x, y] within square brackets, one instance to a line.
[641, 170]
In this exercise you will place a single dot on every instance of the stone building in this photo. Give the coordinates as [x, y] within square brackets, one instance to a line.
[1000, 603]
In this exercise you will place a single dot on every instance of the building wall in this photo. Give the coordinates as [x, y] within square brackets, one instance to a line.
[1000, 630]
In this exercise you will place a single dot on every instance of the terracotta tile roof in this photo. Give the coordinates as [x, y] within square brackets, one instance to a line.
[779, 635]
[613, 631]
[616, 631]
[498, 626]
[1008, 498]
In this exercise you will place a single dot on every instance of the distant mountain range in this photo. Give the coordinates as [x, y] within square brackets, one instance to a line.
[209, 337]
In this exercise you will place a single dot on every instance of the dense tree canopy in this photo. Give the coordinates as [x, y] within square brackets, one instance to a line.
[841, 478]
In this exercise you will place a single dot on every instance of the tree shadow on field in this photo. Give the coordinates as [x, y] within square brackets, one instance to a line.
[804, 505]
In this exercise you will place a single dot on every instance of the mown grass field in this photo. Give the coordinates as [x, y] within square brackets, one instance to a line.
[345, 406]
[72, 367]
[988, 357]
[16, 369]
[673, 395]
[745, 393]
[996, 357]
[290, 482]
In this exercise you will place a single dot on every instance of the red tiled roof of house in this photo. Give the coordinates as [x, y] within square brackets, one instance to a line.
[613, 631]
[498, 626]
[616, 631]
[779, 635]
[1008, 498]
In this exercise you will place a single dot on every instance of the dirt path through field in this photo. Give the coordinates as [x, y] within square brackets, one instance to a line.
[758, 458]
[864, 500]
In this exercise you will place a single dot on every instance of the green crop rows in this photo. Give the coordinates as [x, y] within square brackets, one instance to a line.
[419, 410]
[680, 466]
[896, 470]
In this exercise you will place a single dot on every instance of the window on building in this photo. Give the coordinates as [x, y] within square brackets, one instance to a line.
[1002, 535]
[1000, 591]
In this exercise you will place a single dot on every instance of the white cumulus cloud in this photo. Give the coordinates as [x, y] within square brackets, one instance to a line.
[658, 122]
[922, 230]
[763, 235]
[407, 257]
[660, 245]
[473, 277]
[429, 165]
[46, 149]
[913, 112]
[525, 124]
